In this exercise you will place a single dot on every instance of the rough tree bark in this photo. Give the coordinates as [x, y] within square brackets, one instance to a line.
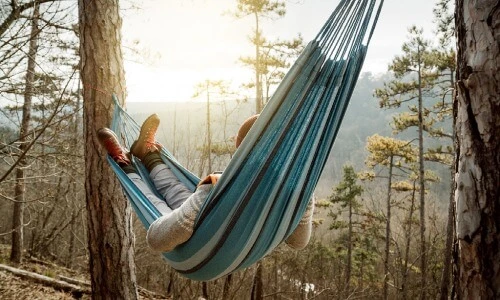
[109, 216]
[477, 189]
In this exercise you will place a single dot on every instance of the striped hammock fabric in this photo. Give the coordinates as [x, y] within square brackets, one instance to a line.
[263, 193]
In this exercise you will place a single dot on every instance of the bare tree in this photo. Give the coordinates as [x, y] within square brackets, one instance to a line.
[14, 10]
[18, 213]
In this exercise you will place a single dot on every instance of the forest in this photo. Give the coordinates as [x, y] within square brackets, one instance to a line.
[406, 206]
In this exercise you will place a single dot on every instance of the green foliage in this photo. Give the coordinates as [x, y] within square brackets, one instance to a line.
[220, 149]
[423, 74]
[7, 136]
[347, 190]
[50, 273]
[445, 21]
[414, 71]
[272, 58]
[263, 8]
[442, 154]
[402, 186]
[381, 149]
[344, 196]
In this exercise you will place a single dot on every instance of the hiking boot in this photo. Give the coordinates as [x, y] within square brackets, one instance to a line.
[109, 141]
[146, 142]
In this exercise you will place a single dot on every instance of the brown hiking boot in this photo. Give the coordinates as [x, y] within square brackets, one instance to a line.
[109, 141]
[146, 142]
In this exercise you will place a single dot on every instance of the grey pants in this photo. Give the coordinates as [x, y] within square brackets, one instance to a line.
[173, 191]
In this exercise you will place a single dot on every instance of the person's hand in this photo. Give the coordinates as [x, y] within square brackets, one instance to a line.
[210, 179]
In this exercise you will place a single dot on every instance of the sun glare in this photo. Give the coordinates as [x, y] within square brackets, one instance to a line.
[183, 43]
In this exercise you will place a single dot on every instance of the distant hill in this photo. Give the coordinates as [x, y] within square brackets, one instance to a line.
[187, 123]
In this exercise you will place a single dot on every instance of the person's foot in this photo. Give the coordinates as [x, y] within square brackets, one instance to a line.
[146, 142]
[109, 141]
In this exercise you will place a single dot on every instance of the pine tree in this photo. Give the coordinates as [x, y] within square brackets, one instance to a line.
[388, 153]
[276, 58]
[445, 57]
[216, 92]
[415, 79]
[271, 58]
[345, 194]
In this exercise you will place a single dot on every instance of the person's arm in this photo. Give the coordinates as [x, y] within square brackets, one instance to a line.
[302, 234]
[173, 229]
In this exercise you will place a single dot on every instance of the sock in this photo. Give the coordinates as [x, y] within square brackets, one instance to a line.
[173, 229]
[151, 160]
[128, 169]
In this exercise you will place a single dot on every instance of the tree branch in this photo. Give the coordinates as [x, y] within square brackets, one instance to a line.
[16, 13]
[54, 113]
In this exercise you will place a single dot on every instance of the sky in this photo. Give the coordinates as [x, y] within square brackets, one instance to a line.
[181, 43]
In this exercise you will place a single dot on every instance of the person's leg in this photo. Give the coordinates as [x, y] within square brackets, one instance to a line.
[173, 191]
[109, 141]
[159, 203]
[148, 151]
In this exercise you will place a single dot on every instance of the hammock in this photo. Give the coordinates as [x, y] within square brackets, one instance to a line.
[264, 191]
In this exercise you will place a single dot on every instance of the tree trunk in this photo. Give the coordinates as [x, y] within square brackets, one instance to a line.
[204, 290]
[257, 292]
[477, 188]
[349, 254]
[77, 120]
[421, 177]
[450, 233]
[227, 287]
[109, 216]
[71, 249]
[209, 136]
[20, 189]
[388, 231]
[450, 227]
[406, 270]
[258, 83]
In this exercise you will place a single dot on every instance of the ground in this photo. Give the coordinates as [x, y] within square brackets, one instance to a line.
[13, 287]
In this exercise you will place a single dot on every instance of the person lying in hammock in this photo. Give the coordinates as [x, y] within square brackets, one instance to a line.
[179, 206]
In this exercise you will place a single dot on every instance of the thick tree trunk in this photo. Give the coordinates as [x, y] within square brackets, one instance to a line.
[477, 189]
[20, 188]
[109, 216]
